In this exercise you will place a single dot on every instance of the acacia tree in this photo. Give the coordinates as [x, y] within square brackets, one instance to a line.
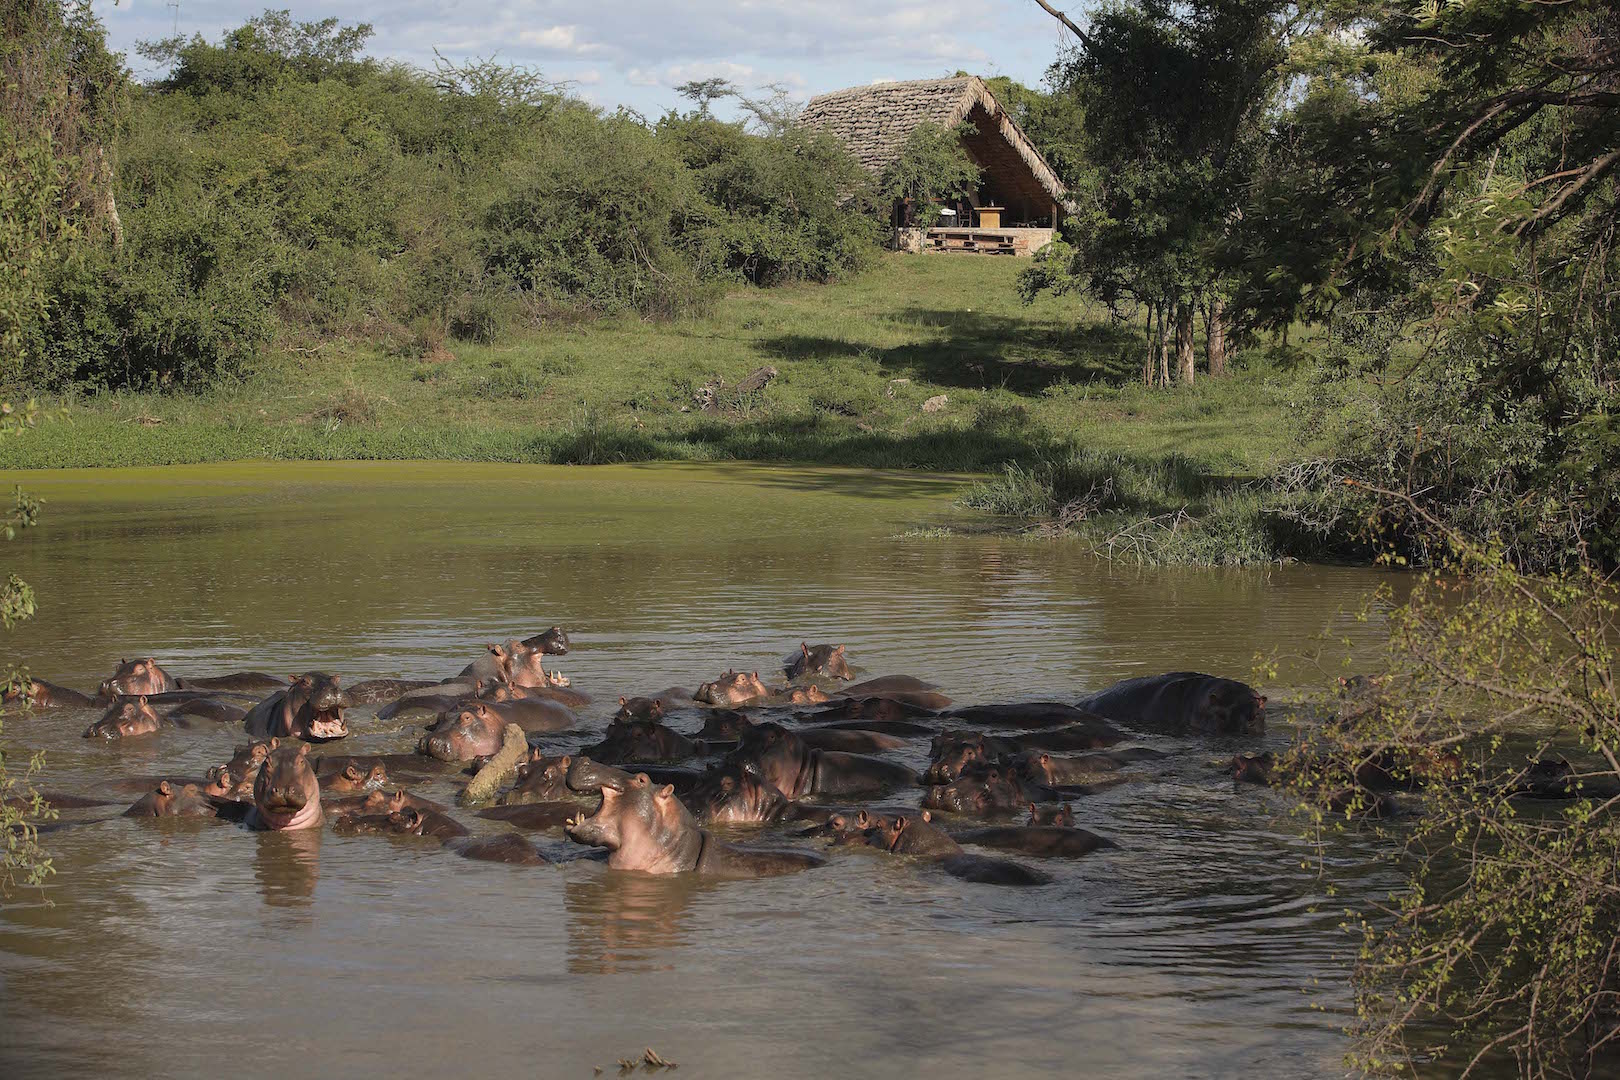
[1175, 96]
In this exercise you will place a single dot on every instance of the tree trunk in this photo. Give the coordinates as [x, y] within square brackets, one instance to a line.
[1185, 358]
[1215, 335]
[109, 205]
[1152, 347]
[1164, 343]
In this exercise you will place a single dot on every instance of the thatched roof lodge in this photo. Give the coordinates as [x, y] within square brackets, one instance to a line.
[875, 121]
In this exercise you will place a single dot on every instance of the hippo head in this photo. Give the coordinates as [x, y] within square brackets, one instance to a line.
[466, 737]
[136, 677]
[356, 779]
[644, 828]
[1253, 768]
[586, 777]
[643, 740]
[29, 691]
[779, 755]
[542, 778]
[806, 695]
[553, 642]
[736, 795]
[173, 800]
[1062, 816]
[641, 708]
[725, 725]
[953, 755]
[125, 720]
[287, 794]
[524, 665]
[242, 770]
[841, 829]
[733, 688]
[1228, 707]
[824, 660]
[982, 792]
[913, 834]
[316, 702]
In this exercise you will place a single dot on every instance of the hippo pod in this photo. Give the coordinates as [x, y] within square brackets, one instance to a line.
[1182, 703]
[826, 661]
[783, 759]
[647, 829]
[287, 793]
[310, 708]
[125, 720]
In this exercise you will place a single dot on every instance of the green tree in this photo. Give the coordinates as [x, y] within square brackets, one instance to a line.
[932, 169]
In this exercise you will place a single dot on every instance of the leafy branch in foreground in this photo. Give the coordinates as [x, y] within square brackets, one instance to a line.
[1498, 710]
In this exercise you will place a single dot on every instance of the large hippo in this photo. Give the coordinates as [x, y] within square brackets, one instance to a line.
[533, 715]
[901, 688]
[311, 709]
[514, 663]
[737, 795]
[206, 708]
[471, 733]
[917, 835]
[1032, 714]
[241, 682]
[125, 720]
[649, 830]
[797, 771]
[135, 678]
[380, 691]
[287, 794]
[732, 689]
[39, 694]
[1182, 703]
[870, 709]
[1042, 841]
[826, 661]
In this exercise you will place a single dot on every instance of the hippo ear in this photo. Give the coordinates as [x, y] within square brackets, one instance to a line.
[1032, 811]
[164, 788]
[837, 821]
[863, 819]
[623, 701]
[838, 649]
[926, 816]
[1046, 759]
[756, 674]
[981, 800]
[564, 761]
[273, 743]
[641, 779]
[352, 771]
[143, 701]
[665, 793]
[805, 646]
[727, 783]
[900, 822]
[303, 750]
[1259, 701]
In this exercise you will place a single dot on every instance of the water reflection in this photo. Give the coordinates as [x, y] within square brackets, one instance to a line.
[621, 922]
[287, 866]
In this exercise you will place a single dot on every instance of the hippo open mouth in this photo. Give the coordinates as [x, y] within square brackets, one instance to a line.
[328, 724]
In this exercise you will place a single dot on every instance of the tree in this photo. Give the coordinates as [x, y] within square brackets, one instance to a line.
[705, 92]
[1175, 99]
[932, 169]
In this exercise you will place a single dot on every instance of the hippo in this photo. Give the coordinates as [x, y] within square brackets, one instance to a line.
[221, 712]
[39, 694]
[242, 771]
[641, 708]
[533, 715]
[900, 688]
[1041, 841]
[378, 804]
[509, 848]
[724, 725]
[737, 795]
[643, 740]
[1254, 768]
[135, 678]
[848, 740]
[781, 758]
[917, 835]
[843, 829]
[1182, 703]
[1033, 714]
[1054, 771]
[403, 821]
[286, 795]
[981, 791]
[955, 751]
[1061, 816]
[551, 814]
[1556, 778]
[125, 720]
[310, 709]
[552, 642]
[514, 663]
[353, 779]
[540, 779]
[797, 695]
[171, 800]
[873, 708]
[562, 695]
[732, 689]
[241, 682]
[471, 733]
[826, 661]
[383, 691]
[648, 829]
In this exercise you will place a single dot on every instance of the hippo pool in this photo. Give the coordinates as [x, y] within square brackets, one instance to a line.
[1202, 945]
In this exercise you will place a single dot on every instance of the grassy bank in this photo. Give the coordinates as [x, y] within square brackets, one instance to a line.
[1035, 386]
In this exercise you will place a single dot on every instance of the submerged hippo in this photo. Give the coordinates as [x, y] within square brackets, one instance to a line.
[917, 835]
[137, 677]
[381, 691]
[237, 776]
[1183, 702]
[781, 757]
[205, 708]
[1061, 816]
[732, 689]
[473, 732]
[125, 720]
[1033, 714]
[540, 779]
[643, 740]
[533, 715]
[826, 661]
[1041, 841]
[901, 688]
[737, 795]
[404, 820]
[875, 709]
[242, 682]
[649, 830]
[311, 709]
[287, 794]
[354, 778]
[172, 800]
[39, 694]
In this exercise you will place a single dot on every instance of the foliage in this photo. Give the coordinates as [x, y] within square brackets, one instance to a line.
[1503, 946]
[932, 171]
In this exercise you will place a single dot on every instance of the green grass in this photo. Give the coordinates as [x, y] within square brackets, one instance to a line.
[1051, 387]
[1020, 381]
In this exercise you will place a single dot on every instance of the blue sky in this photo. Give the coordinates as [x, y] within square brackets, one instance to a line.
[633, 52]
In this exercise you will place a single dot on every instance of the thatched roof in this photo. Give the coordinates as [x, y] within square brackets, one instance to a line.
[874, 122]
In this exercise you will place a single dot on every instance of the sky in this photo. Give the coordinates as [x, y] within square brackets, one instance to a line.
[634, 52]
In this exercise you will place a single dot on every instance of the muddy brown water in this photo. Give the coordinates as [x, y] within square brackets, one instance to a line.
[1200, 947]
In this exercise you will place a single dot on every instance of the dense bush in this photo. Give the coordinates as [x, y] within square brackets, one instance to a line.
[279, 185]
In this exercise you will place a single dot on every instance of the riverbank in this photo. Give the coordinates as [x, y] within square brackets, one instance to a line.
[857, 365]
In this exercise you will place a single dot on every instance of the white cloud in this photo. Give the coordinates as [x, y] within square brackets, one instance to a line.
[558, 39]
